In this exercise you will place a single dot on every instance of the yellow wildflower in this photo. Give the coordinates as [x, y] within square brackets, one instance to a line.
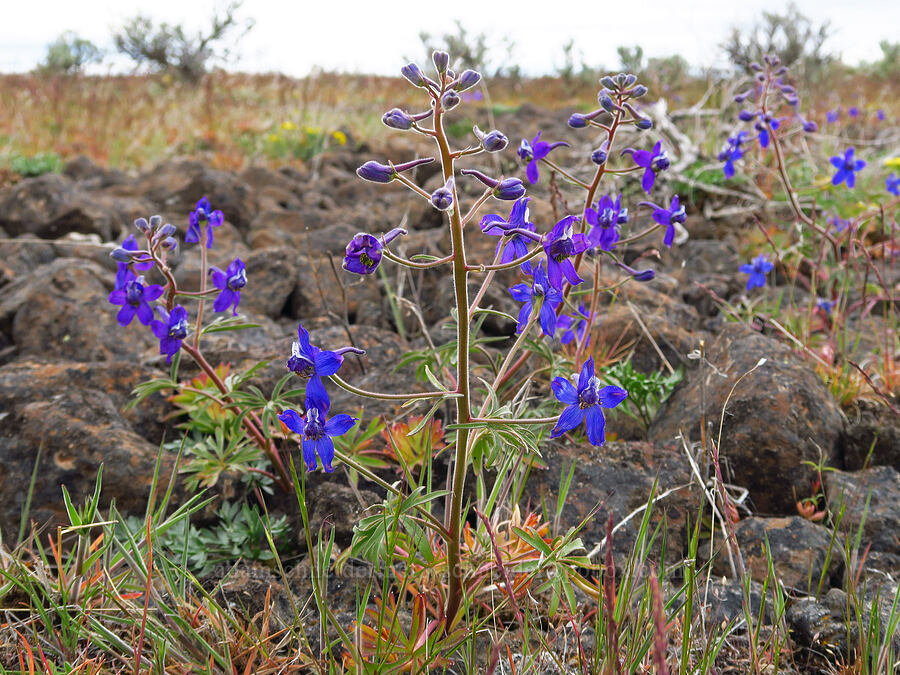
[288, 126]
[340, 137]
[892, 162]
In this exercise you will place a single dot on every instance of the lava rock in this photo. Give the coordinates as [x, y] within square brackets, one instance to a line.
[776, 418]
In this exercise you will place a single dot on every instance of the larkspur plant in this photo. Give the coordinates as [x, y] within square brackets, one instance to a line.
[547, 255]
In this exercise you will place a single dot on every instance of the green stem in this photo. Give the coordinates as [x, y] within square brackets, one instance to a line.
[346, 386]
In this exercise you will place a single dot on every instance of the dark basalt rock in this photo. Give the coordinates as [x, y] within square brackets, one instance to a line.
[776, 418]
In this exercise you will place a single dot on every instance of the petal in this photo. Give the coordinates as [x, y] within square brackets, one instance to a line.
[309, 454]
[521, 292]
[327, 363]
[548, 318]
[304, 340]
[670, 235]
[662, 216]
[316, 396]
[571, 275]
[564, 390]
[595, 423]
[571, 417]
[144, 313]
[218, 277]
[159, 329]
[647, 180]
[292, 420]
[325, 448]
[554, 272]
[531, 172]
[223, 301]
[611, 396]
[519, 211]
[837, 162]
[152, 292]
[340, 424]
[587, 372]
[524, 316]
[117, 297]
[746, 268]
[642, 157]
[125, 315]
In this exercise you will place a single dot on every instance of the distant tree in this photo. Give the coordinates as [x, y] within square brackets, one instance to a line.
[888, 67]
[166, 47]
[631, 58]
[69, 54]
[791, 35]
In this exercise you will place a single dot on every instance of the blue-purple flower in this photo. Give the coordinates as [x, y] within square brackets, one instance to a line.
[758, 268]
[203, 215]
[135, 297]
[668, 217]
[832, 116]
[533, 153]
[560, 244]
[313, 363]
[846, 167]
[585, 403]
[652, 163]
[515, 244]
[171, 330]
[764, 126]
[892, 184]
[733, 152]
[572, 326]
[539, 297]
[605, 221]
[230, 282]
[363, 253]
[317, 431]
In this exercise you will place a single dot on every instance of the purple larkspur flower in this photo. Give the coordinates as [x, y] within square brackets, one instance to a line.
[846, 167]
[879, 114]
[892, 184]
[733, 152]
[363, 253]
[317, 431]
[585, 403]
[764, 127]
[507, 189]
[853, 111]
[313, 363]
[832, 116]
[135, 297]
[757, 269]
[515, 229]
[573, 326]
[539, 297]
[605, 221]
[171, 330]
[668, 217]
[230, 282]
[203, 215]
[652, 163]
[491, 141]
[129, 246]
[827, 306]
[560, 244]
[534, 152]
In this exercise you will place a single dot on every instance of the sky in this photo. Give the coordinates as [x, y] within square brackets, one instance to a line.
[295, 37]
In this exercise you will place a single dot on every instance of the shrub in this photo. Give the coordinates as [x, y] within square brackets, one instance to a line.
[69, 54]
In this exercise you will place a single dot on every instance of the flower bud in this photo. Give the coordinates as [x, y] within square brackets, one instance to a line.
[450, 100]
[509, 189]
[644, 123]
[810, 127]
[493, 141]
[629, 80]
[746, 115]
[638, 91]
[608, 82]
[121, 255]
[414, 74]
[375, 172]
[598, 156]
[166, 230]
[740, 98]
[607, 103]
[487, 180]
[142, 225]
[170, 243]
[155, 222]
[638, 275]
[468, 79]
[441, 61]
[578, 121]
[755, 66]
[397, 119]
[442, 198]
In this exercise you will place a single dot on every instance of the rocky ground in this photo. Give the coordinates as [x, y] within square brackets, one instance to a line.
[67, 368]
